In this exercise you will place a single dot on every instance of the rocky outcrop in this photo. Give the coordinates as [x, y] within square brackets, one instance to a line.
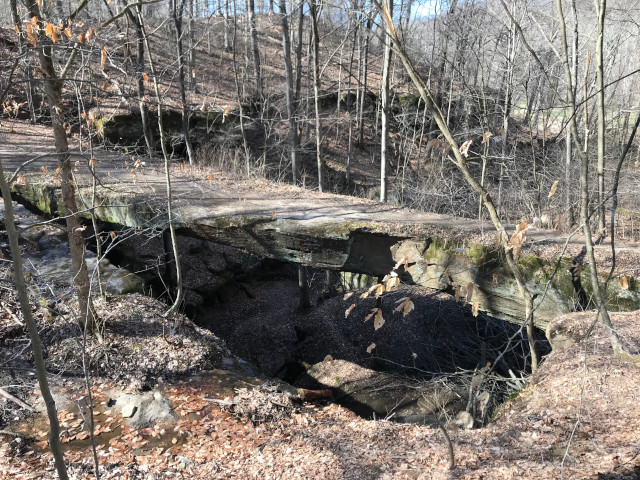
[333, 239]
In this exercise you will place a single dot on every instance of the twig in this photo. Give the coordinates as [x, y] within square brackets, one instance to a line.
[11, 434]
[8, 396]
[13, 315]
[452, 458]
[225, 403]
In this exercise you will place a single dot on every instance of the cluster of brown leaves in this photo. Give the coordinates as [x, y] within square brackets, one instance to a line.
[389, 283]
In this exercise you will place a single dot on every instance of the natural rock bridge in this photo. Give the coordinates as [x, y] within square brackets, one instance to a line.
[320, 230]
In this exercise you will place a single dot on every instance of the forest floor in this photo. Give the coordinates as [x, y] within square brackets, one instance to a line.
[578, 417]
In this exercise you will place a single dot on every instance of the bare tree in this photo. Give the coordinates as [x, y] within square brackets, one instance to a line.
[461, 163]
[144, 108]
[53, 84]
[601, 9]
[255, 48]
[36, 345]
[177, 15]
[384, 133]
[290, 94]
[313, 14]
[598, 293]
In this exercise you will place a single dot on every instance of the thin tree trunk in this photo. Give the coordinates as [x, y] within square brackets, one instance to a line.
[172, 232]
[461, 163]
[601, 9]
[384, 141]
[313, 13]
[568, 216]
[227, 42]
[365, 67]
[192, 48]
[144, 109]
[23, 49]
[303, 288]
[36, 345]
[255, 48]
[290, 97]
[177, 13]
[616, 342]
[247, 154]
[299, 53]
[53, 92]
[355, 26]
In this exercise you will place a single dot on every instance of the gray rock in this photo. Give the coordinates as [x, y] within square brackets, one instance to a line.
[145, 410]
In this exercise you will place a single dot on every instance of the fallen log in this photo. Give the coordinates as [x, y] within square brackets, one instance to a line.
[313, 395]
[17, 401]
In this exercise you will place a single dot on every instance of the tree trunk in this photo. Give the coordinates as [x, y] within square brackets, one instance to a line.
[23, 49]
[601, 9]
[255, 48]
[616, 342]
[172, 232]
[313, 13]
[303, 287]
[298, 83]
[144, 109]
[227, 41]
[365, 67]
[177, 13]
[291, 100]
[36, 345]
[53, 92]
[192, 47]
[384, 141]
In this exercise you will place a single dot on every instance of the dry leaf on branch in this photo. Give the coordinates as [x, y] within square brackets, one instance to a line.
[553, 189]
[371, 289]
[464, 149]
[349, 310]
[103, 58]
[373, 312]
[378, 321]
[519, 237]
[403, 261]
[392, 282]
[470, 288]
[347, 296]
[624, 282]
[405, 305]
[458, 292]
[475, 308]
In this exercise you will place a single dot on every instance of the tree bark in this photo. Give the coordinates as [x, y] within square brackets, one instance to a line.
[290, 97]
[255, 48]
[616, 342]
[177, 14]
[384, 140]
[36, 346]
[601, 9]
[313, 13]
[144, 109]
[53, 92]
